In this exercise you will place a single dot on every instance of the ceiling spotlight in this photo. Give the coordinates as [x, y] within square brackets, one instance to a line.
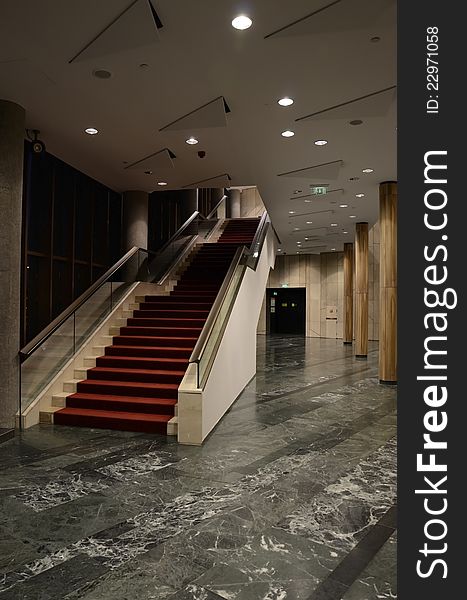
[285, 101]
[162, 183]
[367, 170]
[91, 131]
[333, 249]
[307, 200]
[359, 195]
[333, 224]
[309, 222]
[356, 122]
[343, 205]
[242, 22]
[345, 232]
[191, 140]
[296, 228]
[287, 133]
[279, 249]
[321, 142]
[352, 216]
[291, 212]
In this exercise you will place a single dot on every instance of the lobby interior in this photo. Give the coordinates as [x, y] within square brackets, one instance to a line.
[198, 296]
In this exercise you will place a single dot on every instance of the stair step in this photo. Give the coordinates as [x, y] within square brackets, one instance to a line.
[136, 375]
[128, 388]
[161, 331]
[134, 362]
[101, 419]
[148, 351]
[165, 322]
[144, 340]
[132, 404]
[176, 305]
[167, 313]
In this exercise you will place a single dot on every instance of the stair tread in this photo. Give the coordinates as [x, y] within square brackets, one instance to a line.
[148, 359]
[135, 371]
[132, 399]
[158, 348]
[124, 416]
[131, 384]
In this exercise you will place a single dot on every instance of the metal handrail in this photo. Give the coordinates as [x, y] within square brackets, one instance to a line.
[41, 337]
[242, 254]
[210, 215]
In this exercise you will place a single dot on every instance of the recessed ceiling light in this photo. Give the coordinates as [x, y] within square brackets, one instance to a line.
[321, 142]
[279, 249]
[162, 183]
[333, 249]
[307, 200]
[356, 122]
[367, 170]
[285, 101]
[291, 212]
[242, 22]
[102, 74]
[352, 216]
[287, 133]
[333, 224]
[345, 232]
[343, 205]
[309, 222]
[296, 228]
[359, 195]
[91, 131]
[191, 140]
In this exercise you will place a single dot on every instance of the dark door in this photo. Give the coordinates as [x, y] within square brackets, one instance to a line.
[286, 310]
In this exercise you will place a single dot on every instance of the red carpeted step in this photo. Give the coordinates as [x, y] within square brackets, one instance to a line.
[178, 332]
[161, 406]
[138, 375]
[164, 322]
[100, 419]
[143, 340]
[166, 313]
[175, 304]
[149, 351]
[128, 388]
[142, 362]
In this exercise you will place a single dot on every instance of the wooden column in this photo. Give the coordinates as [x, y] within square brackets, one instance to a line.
[348, 293]
[361, 290]
[388, 283]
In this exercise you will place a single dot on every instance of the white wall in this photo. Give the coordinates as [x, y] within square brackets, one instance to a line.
[251, 203]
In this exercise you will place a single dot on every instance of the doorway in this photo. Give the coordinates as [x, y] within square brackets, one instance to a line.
[286, 310]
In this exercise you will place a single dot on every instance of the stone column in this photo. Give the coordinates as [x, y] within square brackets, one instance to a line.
[235, 212]
[388, 283]
[361, 290]
[135, 232]
[348, 293]
[12, 123]
[135, 220]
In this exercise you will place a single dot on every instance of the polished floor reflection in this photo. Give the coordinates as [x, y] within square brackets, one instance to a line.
[291, 498]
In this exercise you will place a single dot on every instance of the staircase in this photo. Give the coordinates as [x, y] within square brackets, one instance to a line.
[134, 385]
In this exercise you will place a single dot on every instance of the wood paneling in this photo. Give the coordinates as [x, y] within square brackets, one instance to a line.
[348, 293]
[361, 290]
[388, 283]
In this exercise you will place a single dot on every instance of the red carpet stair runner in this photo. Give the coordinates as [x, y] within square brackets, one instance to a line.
[134, 386]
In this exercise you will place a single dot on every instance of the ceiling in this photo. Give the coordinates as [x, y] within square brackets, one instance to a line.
[320, 53]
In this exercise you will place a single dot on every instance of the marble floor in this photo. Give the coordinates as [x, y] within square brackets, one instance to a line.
[292, 497]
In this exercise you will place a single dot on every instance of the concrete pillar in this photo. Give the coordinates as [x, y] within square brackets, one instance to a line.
[12, 123]
[388, 283]
[361, 290]
[135, 220]
[235, 212]
[348, 293]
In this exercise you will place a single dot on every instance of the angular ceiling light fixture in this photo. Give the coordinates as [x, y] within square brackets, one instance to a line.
[242, 22]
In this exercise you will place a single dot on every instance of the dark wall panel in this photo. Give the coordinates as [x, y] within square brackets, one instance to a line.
[71, 235]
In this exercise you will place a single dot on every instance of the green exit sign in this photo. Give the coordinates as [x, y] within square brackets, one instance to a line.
[318, 190]
[285, 285]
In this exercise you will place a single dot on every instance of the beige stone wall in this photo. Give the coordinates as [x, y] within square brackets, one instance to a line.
[323, 277]
[251, 204]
